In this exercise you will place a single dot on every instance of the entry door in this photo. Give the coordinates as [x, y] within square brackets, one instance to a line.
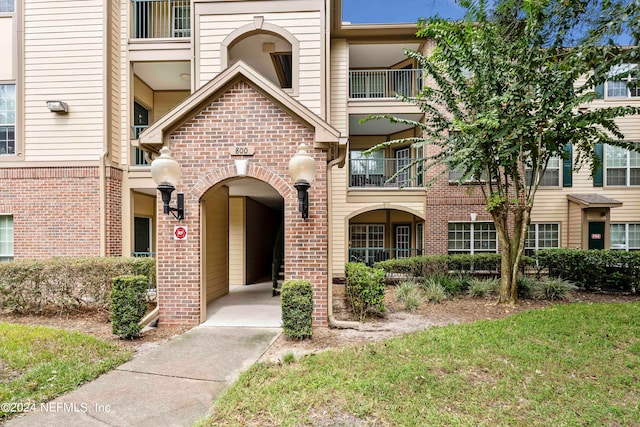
[142, 236]
[403, 159]
[596, 235]
[403, 241]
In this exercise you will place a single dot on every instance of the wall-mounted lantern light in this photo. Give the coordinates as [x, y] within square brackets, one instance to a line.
[302, 170]
[165, 171]
[58, 107]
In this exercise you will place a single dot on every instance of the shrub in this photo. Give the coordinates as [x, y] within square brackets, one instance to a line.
[408, 293]
[297, 308]
[128, 305]
[593, 269]
[65, 284]
[364, 289]
[553, 289]
[452, 284]
[423, 266]
[433, 291]
[525, 286]
[482, 288]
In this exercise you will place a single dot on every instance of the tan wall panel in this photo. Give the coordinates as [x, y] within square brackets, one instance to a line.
[237, 241]
[217, 243]
[144, 205]
[6, 48]
[339, 84]
[164, 101]
[143, 94]
[76, 77]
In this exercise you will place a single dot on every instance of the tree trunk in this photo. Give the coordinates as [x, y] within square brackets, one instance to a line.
[511, 250]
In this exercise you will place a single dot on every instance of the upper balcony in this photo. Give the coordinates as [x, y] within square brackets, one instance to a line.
[380, 73]
[160, 19]
[385, 83]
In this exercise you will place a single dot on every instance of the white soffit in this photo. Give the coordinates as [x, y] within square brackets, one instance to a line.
[380, 126]
[164, 75]
[378, 55]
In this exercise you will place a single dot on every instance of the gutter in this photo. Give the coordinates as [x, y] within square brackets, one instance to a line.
[103, 202]
[333, 322]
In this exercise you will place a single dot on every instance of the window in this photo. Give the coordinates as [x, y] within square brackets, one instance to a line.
[181, 21]
[542, 236]
[625, 237]
[419, 238]
[283, 63]
[623, 166]
[472, 237]
[623, 82]
[7, 120]
[6, 238]
[367, 243]
[7, 6]
[551, 176]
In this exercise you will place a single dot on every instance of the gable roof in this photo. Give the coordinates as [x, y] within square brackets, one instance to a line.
[157, 134]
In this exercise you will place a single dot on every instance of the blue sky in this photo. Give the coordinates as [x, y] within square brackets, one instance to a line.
[396, 11]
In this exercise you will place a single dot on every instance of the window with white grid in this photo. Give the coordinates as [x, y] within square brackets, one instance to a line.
[6, 238]
[7, 119]
[367, 243]
[472, 237]
[623, 81]
[551, 176]
[625, 236]
[7, 6]
[542, 236]
[622, 166]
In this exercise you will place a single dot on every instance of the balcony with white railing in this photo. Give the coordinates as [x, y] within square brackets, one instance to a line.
[139, 158]
[386, 83]
[158, 19]
[384, 173]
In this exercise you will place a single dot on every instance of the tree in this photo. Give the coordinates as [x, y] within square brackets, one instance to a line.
[510, 84]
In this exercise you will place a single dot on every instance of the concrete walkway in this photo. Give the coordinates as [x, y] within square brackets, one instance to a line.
[173, 384]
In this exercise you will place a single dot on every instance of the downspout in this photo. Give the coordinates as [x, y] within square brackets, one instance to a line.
[102, 172]
[333, 322]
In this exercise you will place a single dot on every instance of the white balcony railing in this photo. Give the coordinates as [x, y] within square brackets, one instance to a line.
[384, 173]
[154, 19]
[375, 84]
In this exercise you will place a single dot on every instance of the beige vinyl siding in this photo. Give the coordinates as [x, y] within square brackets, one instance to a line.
[304, 26]
[217, 243]
[237, 254]
[115, 139]
[64, 60]
[6, 48]
[339, 85]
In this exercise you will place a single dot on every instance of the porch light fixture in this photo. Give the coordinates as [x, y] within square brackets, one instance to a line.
[165, 171]
[58, 107]
[302, 170]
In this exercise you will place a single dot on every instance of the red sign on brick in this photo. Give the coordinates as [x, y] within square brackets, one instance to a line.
[180, 232]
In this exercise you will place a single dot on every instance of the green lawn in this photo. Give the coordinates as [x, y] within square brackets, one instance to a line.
[573, 364]
[39, 363]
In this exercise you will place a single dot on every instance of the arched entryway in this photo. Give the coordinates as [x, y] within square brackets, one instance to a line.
[242, 252]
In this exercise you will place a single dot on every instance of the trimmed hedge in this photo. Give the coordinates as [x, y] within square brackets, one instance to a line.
[66, 284]
[364, 289]
[423, 266]
[128, 305]
[297, 308]
[593, 269]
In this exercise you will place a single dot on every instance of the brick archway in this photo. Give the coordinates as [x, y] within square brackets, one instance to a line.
[203, 145]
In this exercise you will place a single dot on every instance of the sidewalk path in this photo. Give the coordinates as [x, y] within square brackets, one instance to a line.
[173, 384]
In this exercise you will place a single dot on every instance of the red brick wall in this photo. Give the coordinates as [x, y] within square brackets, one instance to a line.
[114, 211]
[448, 202]
[241, 116]
[55, 210]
